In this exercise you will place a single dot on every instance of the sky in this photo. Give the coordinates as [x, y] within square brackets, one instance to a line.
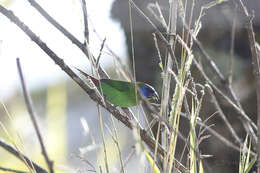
[39, 69]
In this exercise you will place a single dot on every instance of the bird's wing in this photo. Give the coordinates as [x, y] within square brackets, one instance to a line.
[119, 85]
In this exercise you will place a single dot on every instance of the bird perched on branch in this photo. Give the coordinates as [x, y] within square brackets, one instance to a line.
[121, 93]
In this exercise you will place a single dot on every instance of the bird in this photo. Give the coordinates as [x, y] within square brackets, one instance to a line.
[122, 93]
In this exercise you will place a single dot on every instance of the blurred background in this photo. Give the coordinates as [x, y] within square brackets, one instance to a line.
[67, 117]
[61, 106]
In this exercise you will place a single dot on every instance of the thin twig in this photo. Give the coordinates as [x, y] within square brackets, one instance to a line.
[223, 116]
[91, 92]
[11, 170]
[232, 44]
[60, 62]
[200, 46]
[75, 41]
[170, 47]
[158, 17]
[190, 21]
[100, 53]
[217, 135]
[21, 156]
[158, 52]
[171, 62]
[211, 63]
[32, 116]
[171, 30]
[238, 109]
[237, 106]
[125, 70]
[85, 18]
[141, 13]
[93, 169]
[116, 141]
[256, 69]
[81, 46]
[101, 128]
[128, 158]
[64, 31]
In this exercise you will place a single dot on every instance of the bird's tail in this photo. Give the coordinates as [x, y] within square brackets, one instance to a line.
[94, 80]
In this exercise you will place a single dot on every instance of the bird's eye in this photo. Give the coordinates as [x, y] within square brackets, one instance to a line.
[150, 91]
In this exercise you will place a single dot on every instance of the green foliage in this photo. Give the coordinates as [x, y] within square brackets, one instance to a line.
[246, 161]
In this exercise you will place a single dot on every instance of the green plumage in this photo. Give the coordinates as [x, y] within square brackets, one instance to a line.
[119, 93]
[123, 94]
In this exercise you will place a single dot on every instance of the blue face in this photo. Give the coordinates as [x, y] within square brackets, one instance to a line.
[148, 92]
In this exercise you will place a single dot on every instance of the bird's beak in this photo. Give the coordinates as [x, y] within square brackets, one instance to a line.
[156, 97]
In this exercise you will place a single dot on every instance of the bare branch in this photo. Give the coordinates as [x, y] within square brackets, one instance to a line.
[75, 41]
[63, 30]
[28, 102]
[85, 18]
[81, 46]
[237, 108]
[216, 70]
[100, 53]
[91, 92]
[222, 115]
[11, 170]
[21, 156]
[232, 44]
[217, 135]
[256, 69]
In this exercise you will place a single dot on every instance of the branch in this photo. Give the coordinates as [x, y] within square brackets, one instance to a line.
[256, 69]
[237, 106]
[63, 30]
[75, 41]
[244, 118]
[222, 115]
[217, 135]
[80, 45]
[235, 103]
[22, 157]
[32, 116]
[232, 45]
[11, 170]
[91, 92]
[85, 17]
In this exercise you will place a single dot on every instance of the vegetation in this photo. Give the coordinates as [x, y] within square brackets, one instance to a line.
[157, 146]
